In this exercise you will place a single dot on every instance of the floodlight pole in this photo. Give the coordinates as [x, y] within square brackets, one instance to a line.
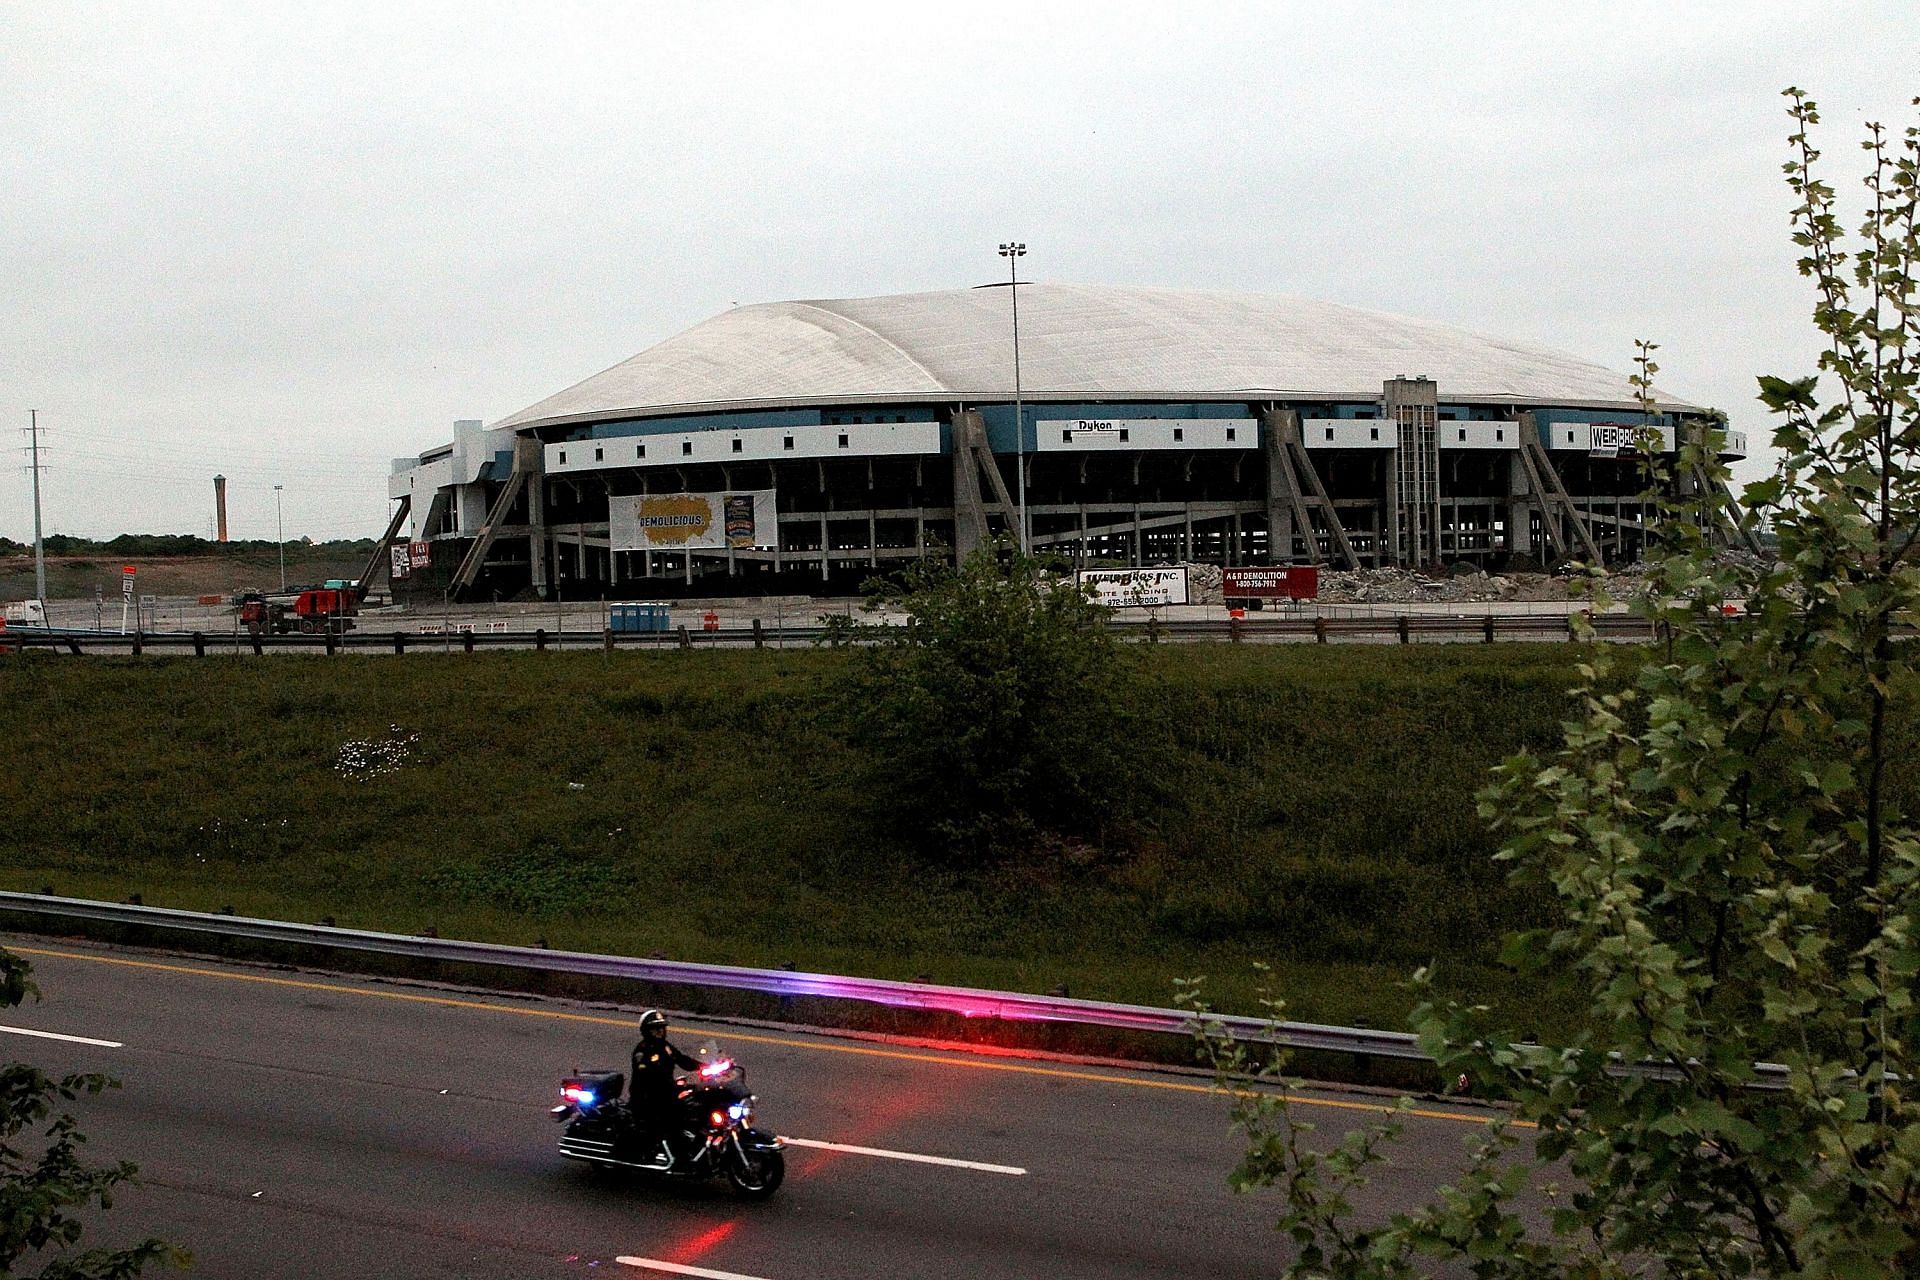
[1013, 252]
[280, 524]
[39, 543]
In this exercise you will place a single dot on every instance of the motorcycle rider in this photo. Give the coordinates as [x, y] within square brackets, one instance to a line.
[651, 1090]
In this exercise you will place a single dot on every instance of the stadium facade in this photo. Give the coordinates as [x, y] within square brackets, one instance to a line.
[787, 445]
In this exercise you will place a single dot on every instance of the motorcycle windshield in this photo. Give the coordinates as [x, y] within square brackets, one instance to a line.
[716, 1065]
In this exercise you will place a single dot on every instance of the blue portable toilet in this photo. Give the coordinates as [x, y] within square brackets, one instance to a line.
[637, 617]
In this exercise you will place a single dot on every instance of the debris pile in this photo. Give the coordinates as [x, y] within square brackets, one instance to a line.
[1204, 584]
[373, 758]
[1460, 586]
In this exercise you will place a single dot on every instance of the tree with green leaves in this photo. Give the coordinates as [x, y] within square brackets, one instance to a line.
[1734, 874]
[998, 714]
[45, 1187]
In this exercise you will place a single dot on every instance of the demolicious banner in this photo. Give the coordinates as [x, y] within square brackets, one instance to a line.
[692, 521]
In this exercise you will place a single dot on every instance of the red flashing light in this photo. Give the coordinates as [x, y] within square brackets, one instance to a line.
[718, 1119]
[718, 1067]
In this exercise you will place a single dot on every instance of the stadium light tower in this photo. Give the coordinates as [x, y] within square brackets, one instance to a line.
[280, 521]
[1013, 252]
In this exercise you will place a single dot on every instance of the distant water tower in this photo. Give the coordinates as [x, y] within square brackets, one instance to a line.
[220, 504]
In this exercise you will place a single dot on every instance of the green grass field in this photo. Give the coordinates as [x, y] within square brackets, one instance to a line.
[1314, 810]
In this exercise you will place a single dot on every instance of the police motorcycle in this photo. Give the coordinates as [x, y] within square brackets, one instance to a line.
[709, 1132]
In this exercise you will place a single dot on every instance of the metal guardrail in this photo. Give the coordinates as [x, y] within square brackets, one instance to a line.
[965, 1002]
[1406, 628]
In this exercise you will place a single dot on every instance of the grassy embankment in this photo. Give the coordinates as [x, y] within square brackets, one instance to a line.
[1318, 815]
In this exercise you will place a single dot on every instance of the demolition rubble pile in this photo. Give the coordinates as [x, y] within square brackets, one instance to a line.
[1407, 586]
[1463, 585]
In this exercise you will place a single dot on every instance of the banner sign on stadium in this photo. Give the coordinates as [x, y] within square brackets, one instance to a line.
[420, 554]
[1611, 439]
[1291, 582]
[402, 558]
[692, 521]
[1135, 588]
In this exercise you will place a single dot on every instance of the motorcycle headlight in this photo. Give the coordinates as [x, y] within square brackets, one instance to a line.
[742, 1112]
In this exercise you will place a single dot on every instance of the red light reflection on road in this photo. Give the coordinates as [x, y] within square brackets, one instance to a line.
[880, 1115]
[691, 1250]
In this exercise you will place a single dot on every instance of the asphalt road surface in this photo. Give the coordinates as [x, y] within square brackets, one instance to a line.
[294, 1123]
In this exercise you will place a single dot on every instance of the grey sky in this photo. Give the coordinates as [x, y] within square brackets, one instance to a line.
[290, 242]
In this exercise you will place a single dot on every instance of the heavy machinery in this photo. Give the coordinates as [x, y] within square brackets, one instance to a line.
[313, 610]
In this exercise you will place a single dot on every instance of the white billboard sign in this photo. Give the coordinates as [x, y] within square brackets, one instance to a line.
[692, 521]
[1135, 588]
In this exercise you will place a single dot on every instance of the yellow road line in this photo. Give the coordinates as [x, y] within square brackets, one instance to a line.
[904, 1055]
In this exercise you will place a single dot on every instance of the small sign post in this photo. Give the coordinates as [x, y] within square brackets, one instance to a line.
[127, 572]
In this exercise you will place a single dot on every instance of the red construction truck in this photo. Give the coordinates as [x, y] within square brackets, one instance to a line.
[312, 610]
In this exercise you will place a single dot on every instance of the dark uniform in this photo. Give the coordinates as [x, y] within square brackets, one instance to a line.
[651, 1082]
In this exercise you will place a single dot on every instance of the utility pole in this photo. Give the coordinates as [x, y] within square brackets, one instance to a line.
[39, 542]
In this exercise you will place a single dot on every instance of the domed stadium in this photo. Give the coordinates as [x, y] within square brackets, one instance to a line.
[789, 445]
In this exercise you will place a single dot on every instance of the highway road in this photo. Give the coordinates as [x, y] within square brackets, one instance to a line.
[296, 1123]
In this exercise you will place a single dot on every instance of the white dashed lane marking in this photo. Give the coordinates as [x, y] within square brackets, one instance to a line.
[55, 1035]
[681, 1269]
[976, 1165]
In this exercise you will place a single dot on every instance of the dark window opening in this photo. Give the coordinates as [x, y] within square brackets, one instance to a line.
[786, 442]
[1329, 433]
[1463, 433]
[1232, 432]
[843, 440]
[563, 457]
[736, 444]
[1499, 434]
[1124, 435]
[1373, 433]
[639, 451]
[686, 448]
[1066, 437]
[1179, 434]
[599, 455]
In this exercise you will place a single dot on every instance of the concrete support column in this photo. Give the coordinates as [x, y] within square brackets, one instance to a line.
[1280, 486]
[1386, 550]
[1412, 407]
[1519, 509]
[537, 534]
[970, 450]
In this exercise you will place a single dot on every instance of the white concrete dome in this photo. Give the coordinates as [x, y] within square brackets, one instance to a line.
[1077, 342]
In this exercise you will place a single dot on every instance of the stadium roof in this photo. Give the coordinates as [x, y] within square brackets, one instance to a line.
[1077, 342]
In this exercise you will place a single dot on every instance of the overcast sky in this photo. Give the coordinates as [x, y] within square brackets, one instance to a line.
[290, 242]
